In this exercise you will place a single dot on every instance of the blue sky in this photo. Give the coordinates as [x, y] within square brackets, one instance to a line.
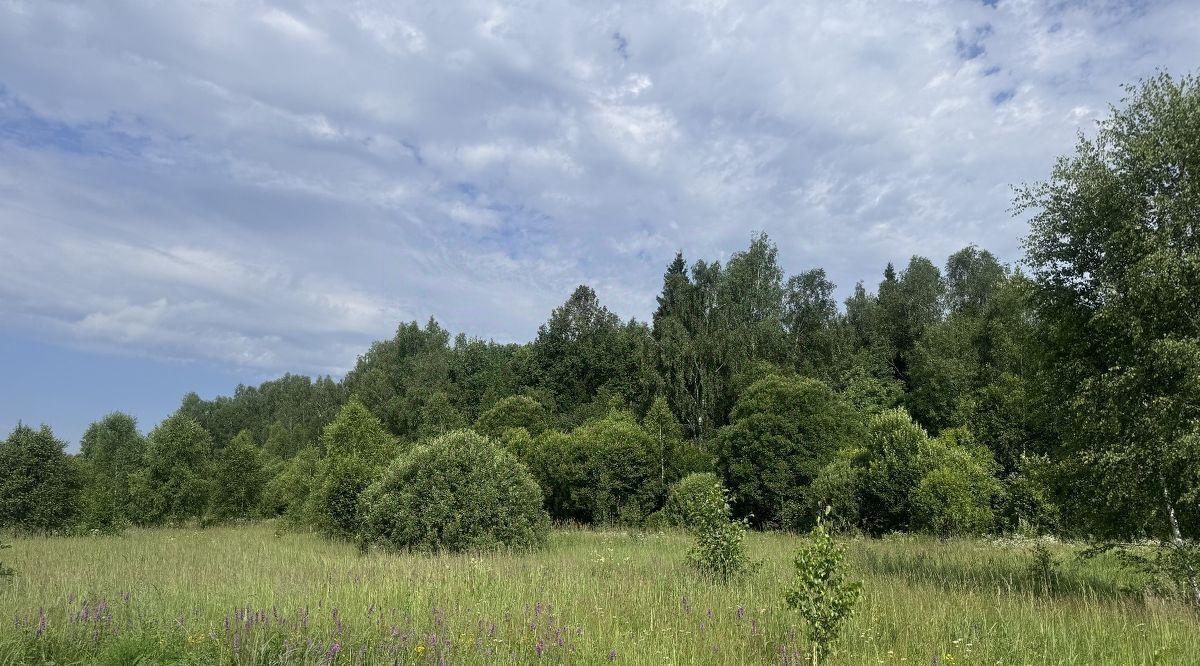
[198, 194]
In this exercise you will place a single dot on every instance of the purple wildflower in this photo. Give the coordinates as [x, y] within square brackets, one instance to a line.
[540, 647]
[332, 652]
[612, 655]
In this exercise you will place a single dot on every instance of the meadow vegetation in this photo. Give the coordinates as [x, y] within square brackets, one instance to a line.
[1010, 459]
[247, 594]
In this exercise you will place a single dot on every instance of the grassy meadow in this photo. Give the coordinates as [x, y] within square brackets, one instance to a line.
[247, 595]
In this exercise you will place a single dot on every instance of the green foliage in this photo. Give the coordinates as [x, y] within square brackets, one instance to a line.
[395, 377]
[837, 490]
[557, 465]
[175, 484]
[1000, 415]
[783, 430]
[911, 482]
[357, 449]
[239, 477]
[677, 457]
[459, 492]
[690, 495]
[821, 592]
[101, 510]
[38, 482]
[898, 454]
[439, 416]
[1030, 502]
[1115, 254]
[606, 471]
[616, 470]
[701, 504]
[908, 305]
[810, 321]
[299, 406]
[516, 411]
[868, 394]
[290, 486]
[956, 497]
[113, 449]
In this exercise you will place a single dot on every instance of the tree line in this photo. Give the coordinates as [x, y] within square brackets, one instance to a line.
[960, 397]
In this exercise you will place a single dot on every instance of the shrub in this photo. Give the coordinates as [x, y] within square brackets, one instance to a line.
[100, 507]
[459, 492]
[113, 449]
[515, 411]
[898, 455]
[358, 448]
[689, 495]
[289, 488]
[605, 471]
[956, 497]
[782, 431]
[556, 463]
[1029, 505]
[820, 591]
[838, 488]
[439, 416]
[701, 503]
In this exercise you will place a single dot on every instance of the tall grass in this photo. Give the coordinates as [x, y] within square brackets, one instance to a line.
[245, 595]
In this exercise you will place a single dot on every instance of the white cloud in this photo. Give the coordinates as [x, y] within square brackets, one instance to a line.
[273, 184]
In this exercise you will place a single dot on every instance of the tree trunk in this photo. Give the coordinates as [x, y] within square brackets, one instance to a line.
[1177, 541]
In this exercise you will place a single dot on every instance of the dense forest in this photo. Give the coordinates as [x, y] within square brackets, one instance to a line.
[949, 395]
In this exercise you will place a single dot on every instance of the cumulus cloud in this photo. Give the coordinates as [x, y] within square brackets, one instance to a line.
[274, 184]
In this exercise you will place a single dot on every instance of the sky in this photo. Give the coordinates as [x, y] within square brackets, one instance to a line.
[195, 195]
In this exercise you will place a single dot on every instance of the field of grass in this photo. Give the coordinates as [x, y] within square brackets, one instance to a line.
[246, 595]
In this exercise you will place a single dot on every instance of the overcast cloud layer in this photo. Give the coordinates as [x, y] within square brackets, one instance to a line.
[272, 185]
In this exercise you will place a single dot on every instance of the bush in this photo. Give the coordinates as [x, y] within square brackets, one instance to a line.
[112, 449]
[782, 431]
[701, 504]
[955, 498]
[838, 488]
[689, 495]
[291, 485]
[358, 448]
[515, 411]
[820, 591]
[604, 472]
[898, 455]
[239, 477]
[957, 495]
[459, 492]
[100, 508]
[1029, 505]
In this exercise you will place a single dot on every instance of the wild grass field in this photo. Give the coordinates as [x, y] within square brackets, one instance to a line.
[247, 595]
